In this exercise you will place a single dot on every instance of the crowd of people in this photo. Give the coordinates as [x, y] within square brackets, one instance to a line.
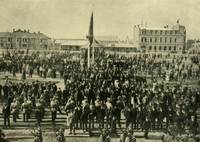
[114, 89]
[48, 64]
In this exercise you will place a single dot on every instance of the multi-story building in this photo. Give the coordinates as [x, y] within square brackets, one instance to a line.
[167, 39]
[24, 39]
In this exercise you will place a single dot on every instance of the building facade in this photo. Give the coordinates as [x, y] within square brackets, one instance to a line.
[20, 39]
[167, 39]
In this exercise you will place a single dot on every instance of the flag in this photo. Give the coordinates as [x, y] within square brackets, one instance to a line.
[90, 36]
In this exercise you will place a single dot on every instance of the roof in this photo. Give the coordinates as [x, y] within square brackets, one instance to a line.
[20, 33]
[71, 42]
[154, 29]
[99, 41]
[113, 45]
[5, 34]
[165, 28]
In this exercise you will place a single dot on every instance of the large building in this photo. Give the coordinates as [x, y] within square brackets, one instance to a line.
[166, 39]
[20, 39]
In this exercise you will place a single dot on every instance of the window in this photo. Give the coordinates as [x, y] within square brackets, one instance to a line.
[169, 48]
[170, 39]
[155, 48]
[160, 48]
[174, 48]
[142, 39]
[165, 48]
[156, 32]
[151, 32]
[9, 39]
[161, 32]
[144, 47]
[155, 39]
[171, 32]
[149, 47]
[175, 40]
[143, 32]
[165, 32]
[165, 39]
[161, 39]
[145, 39]
[150, 39]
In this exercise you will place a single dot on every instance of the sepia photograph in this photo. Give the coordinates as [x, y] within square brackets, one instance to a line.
[99, 71]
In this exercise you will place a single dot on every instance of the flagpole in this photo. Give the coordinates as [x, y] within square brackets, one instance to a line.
[89, 56]
[92, 55]
[93, 35]
[90, 37]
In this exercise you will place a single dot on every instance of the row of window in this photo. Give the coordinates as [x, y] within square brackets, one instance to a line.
[144, 39]
[160, 48]
[20, 40]
[159, 32]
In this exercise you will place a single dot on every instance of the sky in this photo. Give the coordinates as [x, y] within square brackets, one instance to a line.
[70, 18]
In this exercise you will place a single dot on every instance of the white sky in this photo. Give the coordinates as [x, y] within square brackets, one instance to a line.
[70, 18]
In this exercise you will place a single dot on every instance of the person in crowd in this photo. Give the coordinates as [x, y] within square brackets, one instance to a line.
[37, 133]
[6, 115]
[60, 135]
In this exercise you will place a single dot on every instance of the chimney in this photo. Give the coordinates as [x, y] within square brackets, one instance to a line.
[13, 30]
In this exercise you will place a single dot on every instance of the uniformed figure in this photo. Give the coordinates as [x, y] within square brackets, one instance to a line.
[25, 110]
[14, 109]
[6, 115]
[54, 107]
[39, 112]
[85, 114]
[109, 109]
[37, 133]
[24, 73]
[60, 135]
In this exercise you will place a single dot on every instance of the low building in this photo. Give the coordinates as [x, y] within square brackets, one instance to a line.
[190, 42]
[70, 44]
[167, 39]
[110, 44]
[20, 39]
[195, 47]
